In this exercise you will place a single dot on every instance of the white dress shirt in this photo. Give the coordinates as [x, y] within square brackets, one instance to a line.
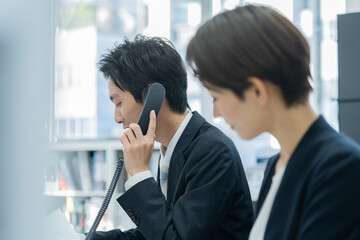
[165, 155]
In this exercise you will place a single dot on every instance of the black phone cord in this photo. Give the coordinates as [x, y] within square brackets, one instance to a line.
[107, 199]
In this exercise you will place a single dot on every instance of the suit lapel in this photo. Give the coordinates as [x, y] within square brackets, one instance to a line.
[158, 171]
[177, 158]
[293, 183]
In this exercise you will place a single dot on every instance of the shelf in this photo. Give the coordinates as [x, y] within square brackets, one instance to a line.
[98, 145]
[69, 193]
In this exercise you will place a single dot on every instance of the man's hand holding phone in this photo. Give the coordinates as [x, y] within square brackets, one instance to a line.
[138, 148]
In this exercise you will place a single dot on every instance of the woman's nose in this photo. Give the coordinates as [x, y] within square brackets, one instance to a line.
[215, 111]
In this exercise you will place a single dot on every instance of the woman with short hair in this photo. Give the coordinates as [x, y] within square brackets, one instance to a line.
[255, 64]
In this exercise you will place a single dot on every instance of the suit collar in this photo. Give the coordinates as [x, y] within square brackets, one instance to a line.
[177, 159]
[189, 133]
[297, 163]
[294, 177]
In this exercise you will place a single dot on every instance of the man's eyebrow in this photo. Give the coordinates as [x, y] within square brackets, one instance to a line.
[115, 95]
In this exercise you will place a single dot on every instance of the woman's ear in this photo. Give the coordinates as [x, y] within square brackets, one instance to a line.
[259, 90]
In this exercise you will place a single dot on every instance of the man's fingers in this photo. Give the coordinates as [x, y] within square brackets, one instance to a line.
[136, 129]
[152, 125]
[130, 135]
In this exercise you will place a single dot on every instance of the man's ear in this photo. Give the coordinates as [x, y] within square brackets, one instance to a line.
[145, 91]
[259, 91]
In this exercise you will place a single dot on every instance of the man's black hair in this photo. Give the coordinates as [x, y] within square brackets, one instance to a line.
[133, 65]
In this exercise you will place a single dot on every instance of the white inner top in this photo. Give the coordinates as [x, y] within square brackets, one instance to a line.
[259, 227]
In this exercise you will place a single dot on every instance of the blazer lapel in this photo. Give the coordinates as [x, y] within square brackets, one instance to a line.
[177, 159]
[293, 183]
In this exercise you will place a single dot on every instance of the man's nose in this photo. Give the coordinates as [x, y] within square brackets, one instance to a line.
[118, 117]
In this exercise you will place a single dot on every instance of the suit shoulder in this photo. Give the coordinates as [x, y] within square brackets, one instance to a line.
[337, 146]
[209, 134]
[330, 151]
[327, 141]
[210, 140]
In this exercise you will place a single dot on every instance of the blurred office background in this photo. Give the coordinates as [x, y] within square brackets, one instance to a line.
[52, 92]
[86, 29]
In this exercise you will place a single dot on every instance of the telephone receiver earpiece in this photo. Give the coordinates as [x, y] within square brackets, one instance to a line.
[153, 98]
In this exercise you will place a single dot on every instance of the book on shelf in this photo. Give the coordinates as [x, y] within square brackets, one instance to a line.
[62, 183]
[84, 170]
[77, 171]
[66, 173]
[75, 212]
[81, 213]
[99, 170]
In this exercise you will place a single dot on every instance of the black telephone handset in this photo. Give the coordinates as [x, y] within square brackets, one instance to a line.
[153, 98]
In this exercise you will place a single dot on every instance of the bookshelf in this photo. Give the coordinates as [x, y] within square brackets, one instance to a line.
[80, 173]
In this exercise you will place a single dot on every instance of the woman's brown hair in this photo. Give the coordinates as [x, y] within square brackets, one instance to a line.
[252, 41]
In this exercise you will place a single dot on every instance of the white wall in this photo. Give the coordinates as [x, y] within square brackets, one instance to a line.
[352, 6]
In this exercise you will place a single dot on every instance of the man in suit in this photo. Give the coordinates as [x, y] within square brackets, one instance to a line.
[204, 193]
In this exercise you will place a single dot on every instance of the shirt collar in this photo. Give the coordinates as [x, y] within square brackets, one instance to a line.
[165, 158]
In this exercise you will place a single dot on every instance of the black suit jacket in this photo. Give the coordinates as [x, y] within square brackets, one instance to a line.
[207, 198]
[319, 195]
